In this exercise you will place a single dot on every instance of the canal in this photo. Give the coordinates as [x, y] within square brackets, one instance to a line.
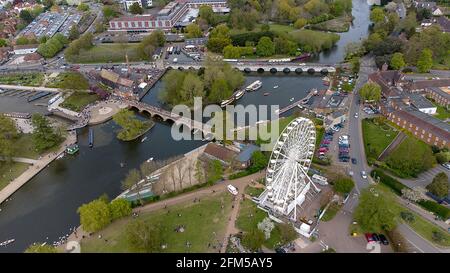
[45, 208]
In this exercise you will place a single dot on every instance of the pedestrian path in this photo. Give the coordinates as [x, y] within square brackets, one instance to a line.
[37, 166]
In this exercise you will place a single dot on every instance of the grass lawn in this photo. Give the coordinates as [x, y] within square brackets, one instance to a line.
[78, 100]
[24, 147]
[376, 137]
[442, 113]
[420, 225]
[250, 216]
[331, 212]
[26, 79]
[104, 53]
[9, 171]
[277, 28]
[340, 24]
[253, 192]
[204, 222]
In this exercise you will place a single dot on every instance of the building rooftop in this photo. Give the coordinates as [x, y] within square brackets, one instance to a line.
[219, 152]
[428, 123]
[422, 84]
[246, 154]
[420, 101]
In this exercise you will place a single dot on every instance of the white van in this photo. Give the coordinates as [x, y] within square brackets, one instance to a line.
[232, 189]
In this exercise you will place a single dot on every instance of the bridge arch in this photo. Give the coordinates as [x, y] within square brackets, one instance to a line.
[298, 70]
[324, 71]
[260, 70]
[180, 68]
[247, 70]
[311, 70]
[191, 68]
[273, 70]
[286, 70]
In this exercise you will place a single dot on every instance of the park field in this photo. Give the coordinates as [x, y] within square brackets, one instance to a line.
[204, 223]
[376, 137]
[9, 171]
[109, 53]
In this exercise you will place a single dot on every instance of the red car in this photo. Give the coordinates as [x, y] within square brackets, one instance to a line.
[369, 237]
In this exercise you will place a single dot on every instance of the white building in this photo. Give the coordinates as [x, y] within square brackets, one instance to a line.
[25, 49]
[142, 3]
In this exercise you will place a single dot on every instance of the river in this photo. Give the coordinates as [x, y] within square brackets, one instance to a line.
[45, 208]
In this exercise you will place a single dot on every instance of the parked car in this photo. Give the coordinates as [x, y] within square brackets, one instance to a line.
[446, 165]
[369, 237]
[383, 239]
[363, 174]
[354, 161]
[375, 237]
[232, 189]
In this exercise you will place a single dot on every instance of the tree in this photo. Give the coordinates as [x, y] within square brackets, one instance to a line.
[83, 7]
[265, 47]
[8, 132]
[413, 195]
[119, 208]
[343, 185]
[206, 12]
[109, 13]
[253, 239]
[443, 157]
[135, 8]
[397, 61]
[377, 15]
[374, 212]
[219, 38]
[439, 186]
[355, 64]
[300, 23]
[425, 61]
[266, 226]
[99, 28]
[131, 182]
[143, 237]
[44, 136]
[26, 16]
[259, 160]
[370, 92]
[265, 27]
[193, 31]
[131, 125]
[41, 248]
[3, 43]
[74, 33]
[95, 215]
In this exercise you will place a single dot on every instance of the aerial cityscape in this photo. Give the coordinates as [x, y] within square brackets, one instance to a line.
[224, 126]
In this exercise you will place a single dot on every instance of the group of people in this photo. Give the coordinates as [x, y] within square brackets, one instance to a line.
[63, 239]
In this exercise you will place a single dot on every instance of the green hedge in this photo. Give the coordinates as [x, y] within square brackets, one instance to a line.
[435, 208]
[389, 181]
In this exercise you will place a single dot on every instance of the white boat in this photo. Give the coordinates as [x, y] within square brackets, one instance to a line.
[60, 156]
[226, 102]
[292, 99]
[238, 94]
[275, 87]
[7, 242]
[150, 159]
[144, 139]
[254, 86]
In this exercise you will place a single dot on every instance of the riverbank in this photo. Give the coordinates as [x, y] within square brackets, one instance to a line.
[34, 169]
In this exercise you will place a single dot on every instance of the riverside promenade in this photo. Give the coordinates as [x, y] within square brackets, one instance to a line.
[35, 168]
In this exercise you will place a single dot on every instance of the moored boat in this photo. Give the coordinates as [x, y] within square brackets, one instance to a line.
[7, 242]
[238, 94]
[226, 102]
[72, 149]
[254, 86]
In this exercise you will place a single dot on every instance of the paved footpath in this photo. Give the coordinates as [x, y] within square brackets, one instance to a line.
[38, 166]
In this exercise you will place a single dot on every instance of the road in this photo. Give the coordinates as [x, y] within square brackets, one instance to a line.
[355, 131]
[420, 244]
[424, 178]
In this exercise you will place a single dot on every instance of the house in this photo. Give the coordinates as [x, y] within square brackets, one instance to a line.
[444, 23]
[243, 159]
[4, 54]
[431, 6]
[335, 118]
[423, 126]
[422, 85]
[422, 104]
[441, 95]
[389, 81]
[216, 152]
[25, 49]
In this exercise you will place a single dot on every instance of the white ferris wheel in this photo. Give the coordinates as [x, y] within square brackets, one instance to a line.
[287, 181]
